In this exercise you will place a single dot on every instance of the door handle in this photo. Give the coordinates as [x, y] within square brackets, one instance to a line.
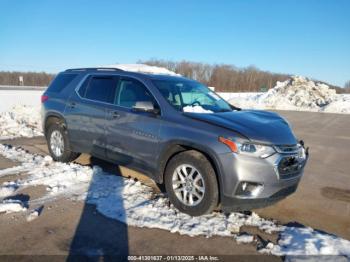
[72, 105]
[115, 114]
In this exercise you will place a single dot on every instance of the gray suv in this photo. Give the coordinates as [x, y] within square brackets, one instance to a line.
[206, 152]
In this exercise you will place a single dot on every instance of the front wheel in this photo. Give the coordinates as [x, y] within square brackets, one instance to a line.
[191, 183]
[58, 144]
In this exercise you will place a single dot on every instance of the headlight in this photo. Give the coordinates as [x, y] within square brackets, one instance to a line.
[248, 148]
[258, 150]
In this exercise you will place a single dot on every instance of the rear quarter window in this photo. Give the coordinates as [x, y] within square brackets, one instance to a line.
[60, 82]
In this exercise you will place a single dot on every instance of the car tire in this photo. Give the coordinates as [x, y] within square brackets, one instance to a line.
[203, 202]
[57, 136]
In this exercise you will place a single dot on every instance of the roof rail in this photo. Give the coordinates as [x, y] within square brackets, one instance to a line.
[94, 69]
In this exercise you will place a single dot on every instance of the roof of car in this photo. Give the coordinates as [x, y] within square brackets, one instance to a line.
[141, 74]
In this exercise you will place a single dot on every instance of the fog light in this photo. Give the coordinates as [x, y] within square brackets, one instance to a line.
[249, 189]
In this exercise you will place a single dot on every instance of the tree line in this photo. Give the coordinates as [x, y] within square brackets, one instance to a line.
[224, 77]
[29, 78]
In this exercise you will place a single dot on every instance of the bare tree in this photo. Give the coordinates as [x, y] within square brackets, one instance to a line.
[225, 78]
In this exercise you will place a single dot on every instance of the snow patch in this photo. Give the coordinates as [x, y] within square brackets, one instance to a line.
[21, 121]
[60, 179]
[34, 214]
[7, 189]
[11, 97]
[10, 206]
[244, 238]
[297, 93]
[307, 241]
[340, 105]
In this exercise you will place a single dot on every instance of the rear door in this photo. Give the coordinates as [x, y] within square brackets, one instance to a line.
[132, 137]
[86, 114]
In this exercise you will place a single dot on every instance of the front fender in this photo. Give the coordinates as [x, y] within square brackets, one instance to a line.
[174, 147]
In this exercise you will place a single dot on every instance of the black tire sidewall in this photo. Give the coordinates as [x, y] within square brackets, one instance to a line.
[201, 163]
[67, 154]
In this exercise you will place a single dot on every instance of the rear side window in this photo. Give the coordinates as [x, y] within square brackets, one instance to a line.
[60, 82]
[98, 88]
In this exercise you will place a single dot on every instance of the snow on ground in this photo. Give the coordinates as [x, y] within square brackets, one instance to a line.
[59, 179]
[32, 215]
[297, 93]
[135, 204]
[142, 68]
[11, 98]
[244, 238]
[21, 121]
[7, 189]
[307, 241]
[10, 206]
[340, 105]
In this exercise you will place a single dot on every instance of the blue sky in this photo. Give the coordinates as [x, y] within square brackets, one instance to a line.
[307, 37]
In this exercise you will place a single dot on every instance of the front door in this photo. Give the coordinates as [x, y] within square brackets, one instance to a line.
[132, 137]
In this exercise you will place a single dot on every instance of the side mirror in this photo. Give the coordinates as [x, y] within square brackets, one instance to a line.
[145, 106]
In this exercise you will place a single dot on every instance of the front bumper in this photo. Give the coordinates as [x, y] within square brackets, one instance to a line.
[277, 181]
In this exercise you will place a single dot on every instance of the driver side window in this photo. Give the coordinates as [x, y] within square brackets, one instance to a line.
[130, 91]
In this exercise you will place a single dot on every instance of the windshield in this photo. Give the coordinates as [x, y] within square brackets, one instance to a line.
[191, 96]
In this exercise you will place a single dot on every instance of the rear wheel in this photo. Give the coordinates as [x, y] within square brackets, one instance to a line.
[191, 183]
[58, 144]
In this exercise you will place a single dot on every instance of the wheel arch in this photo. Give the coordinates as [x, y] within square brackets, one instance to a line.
[53, 118]
[177, 147]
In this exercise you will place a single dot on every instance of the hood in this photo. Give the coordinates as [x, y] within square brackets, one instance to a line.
[256, 125]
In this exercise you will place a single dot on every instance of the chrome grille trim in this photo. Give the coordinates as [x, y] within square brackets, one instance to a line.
[287, 149]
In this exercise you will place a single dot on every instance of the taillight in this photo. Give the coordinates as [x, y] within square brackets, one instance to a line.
[44, 98]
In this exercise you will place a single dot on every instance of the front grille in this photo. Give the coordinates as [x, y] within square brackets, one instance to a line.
[292, 160]
[287, 149]
[289, 166]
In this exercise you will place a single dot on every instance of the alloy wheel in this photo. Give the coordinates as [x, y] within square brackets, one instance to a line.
[188, 185]
[57, 143]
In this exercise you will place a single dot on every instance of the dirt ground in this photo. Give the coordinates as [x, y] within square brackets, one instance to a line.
[65, 227]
